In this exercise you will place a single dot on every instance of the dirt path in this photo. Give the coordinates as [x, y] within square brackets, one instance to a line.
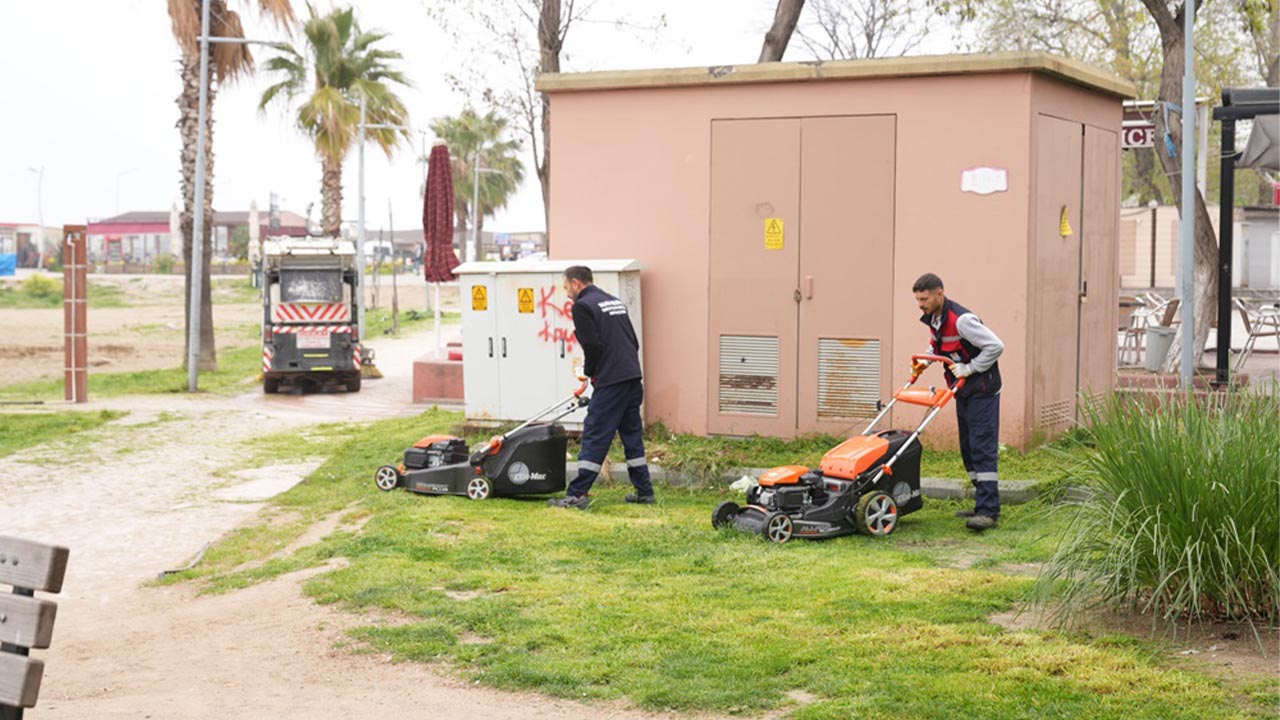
[144, 494]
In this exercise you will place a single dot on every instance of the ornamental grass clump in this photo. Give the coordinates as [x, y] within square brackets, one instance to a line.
[1183, 520]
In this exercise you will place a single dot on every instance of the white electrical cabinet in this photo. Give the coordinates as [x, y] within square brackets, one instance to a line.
[519, 352]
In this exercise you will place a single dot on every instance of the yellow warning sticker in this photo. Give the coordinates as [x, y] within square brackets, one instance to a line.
[1064, 225]
[480, 298]
[525, 297]
[773, 234]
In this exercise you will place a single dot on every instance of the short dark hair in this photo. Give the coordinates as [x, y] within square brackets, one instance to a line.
[926, 282]
[581, 273]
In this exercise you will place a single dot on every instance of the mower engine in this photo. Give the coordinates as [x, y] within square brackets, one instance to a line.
[435, 451]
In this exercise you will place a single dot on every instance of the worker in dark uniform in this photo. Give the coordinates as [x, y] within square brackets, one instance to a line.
[958, 334]
[611, 355]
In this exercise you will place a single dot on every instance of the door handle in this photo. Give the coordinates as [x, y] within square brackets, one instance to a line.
[490, 347]
[809, 282]
[1084, 292]
[504, 347]
[562, 344]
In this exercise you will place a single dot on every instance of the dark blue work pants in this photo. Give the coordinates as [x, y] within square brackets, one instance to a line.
[613, 408]
[979, 421]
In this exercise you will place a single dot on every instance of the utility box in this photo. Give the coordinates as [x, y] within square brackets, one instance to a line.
[519, 351]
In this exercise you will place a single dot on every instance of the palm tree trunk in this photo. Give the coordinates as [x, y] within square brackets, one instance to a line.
[188, 125]
[331, 195]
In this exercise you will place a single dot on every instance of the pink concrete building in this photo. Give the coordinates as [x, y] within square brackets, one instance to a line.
[782, 212]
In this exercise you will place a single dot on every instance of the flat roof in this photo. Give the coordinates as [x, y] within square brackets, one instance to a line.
[919, 66]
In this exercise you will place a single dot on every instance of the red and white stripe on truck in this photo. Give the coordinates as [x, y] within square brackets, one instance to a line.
[311, 312]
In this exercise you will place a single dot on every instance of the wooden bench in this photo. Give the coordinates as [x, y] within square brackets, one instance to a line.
[26, 622]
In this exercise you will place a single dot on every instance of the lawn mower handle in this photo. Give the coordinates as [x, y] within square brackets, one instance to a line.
[928, 357]
[565, 406]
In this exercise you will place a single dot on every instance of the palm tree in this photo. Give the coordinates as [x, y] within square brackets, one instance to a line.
[339, 67]
[470, 135]
[228, 62]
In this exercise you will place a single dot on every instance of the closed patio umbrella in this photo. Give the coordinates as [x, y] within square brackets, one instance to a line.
[438, 258]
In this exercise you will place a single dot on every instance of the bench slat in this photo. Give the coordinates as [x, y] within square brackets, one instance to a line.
[19, 680]
[32, 565]
[26, 621]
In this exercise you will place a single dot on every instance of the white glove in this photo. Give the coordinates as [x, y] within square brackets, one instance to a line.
[961, 370]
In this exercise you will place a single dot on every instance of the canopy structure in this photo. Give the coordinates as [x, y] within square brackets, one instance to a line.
[1262, 152]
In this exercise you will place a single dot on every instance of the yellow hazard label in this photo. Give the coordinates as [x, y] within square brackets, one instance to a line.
[480, 298]
[1064, 225]
[525, 297]
[773, 234]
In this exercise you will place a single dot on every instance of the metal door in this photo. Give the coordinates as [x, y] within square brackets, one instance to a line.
[1056, 282]
[846, 269]
[1099, 237]
[754, 262]
[480, 345]
[526, 353]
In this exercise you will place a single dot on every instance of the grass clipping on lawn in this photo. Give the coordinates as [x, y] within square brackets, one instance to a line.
[1184, 516]
[652, 605]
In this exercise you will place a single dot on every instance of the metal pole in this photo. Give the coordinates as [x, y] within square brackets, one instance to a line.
[1187, 228]
[197, 231]
[473, 251]
[360, 224]
[1225, 231]
[40, 216]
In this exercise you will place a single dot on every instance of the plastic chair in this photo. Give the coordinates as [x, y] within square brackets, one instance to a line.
[1257, 324]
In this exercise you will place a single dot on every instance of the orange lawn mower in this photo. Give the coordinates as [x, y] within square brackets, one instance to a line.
[864, 485]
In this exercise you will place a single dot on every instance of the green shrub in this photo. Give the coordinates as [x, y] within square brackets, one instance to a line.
[1184, 515]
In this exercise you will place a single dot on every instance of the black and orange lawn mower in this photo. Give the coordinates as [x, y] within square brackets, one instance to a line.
[864, 485]
[529, 460]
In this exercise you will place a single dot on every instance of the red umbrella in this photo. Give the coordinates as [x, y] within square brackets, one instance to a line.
[438, 259]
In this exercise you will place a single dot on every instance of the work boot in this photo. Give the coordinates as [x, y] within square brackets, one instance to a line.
[981, 522]
[569, 501]
[640, 499]
[966, 513]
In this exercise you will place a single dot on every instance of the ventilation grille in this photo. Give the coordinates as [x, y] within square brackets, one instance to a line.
[749, 374]
[1057, 413]
[848, 377]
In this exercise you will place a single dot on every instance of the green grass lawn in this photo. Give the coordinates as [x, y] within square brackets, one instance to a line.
[651, 605]
[236, 369]
[45, 291]
[23, 430]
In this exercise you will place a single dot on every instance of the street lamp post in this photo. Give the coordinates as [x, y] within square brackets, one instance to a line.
[197, 230]
[364, 127]
[39, 215]
[473, 249]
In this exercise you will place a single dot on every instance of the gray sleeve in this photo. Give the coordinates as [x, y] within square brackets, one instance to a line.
[973, 331]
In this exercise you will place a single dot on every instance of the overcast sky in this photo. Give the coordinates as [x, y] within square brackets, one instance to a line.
[88, 90]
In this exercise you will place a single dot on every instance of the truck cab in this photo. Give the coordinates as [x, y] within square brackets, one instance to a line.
[310, 314]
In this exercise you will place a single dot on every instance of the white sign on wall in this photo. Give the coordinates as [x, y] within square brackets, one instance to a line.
[984, 180]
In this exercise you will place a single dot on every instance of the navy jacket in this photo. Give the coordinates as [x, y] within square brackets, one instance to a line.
[609, 346]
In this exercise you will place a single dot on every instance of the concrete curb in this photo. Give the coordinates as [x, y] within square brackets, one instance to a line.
[1012, 492]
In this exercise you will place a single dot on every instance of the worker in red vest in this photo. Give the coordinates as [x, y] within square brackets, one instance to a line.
[958, 334]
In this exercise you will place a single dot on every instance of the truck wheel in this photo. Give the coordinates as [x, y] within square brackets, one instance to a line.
[386, 478]
[270, 386]
[353, 383]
